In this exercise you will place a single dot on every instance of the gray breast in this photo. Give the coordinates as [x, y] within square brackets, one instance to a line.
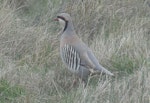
[70, 57]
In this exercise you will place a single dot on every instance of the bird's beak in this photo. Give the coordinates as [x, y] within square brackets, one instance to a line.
[56, 19]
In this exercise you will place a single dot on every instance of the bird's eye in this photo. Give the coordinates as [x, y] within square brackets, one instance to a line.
[61, 18]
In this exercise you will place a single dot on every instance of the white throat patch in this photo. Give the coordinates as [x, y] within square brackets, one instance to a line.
[62, 22]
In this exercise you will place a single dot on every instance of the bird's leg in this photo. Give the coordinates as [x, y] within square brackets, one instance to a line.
[74, 83]
[84, 84]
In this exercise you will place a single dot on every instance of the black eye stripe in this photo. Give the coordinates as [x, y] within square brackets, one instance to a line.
[61, 18]
[66, 22]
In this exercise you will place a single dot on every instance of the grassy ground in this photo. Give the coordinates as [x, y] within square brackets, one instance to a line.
[31, 70]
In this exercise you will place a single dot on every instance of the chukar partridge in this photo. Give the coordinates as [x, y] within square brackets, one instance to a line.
[77, 56]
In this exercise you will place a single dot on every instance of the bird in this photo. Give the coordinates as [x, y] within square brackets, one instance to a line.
[75, 54]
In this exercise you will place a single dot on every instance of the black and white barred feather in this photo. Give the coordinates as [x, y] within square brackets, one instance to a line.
[70, 57]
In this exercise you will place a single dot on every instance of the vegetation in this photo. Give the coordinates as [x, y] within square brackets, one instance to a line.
[31, 70]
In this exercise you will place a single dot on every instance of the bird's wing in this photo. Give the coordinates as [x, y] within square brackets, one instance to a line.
[91, 59]
[87, 57]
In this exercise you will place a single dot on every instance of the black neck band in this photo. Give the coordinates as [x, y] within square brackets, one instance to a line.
[66, 22]
[66, 25]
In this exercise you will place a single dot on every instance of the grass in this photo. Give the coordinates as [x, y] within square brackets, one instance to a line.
[10, 93]
[31, 70]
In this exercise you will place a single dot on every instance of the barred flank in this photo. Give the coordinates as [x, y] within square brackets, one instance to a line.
[71, 57]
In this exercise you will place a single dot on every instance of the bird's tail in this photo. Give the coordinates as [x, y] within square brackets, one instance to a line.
[103, 70]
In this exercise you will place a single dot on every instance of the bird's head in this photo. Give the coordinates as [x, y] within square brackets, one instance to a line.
[63, 19]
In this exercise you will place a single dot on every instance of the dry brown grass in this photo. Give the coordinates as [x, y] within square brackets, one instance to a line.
[117, 32]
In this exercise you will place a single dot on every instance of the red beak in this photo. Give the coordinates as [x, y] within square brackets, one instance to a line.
[56, 19]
